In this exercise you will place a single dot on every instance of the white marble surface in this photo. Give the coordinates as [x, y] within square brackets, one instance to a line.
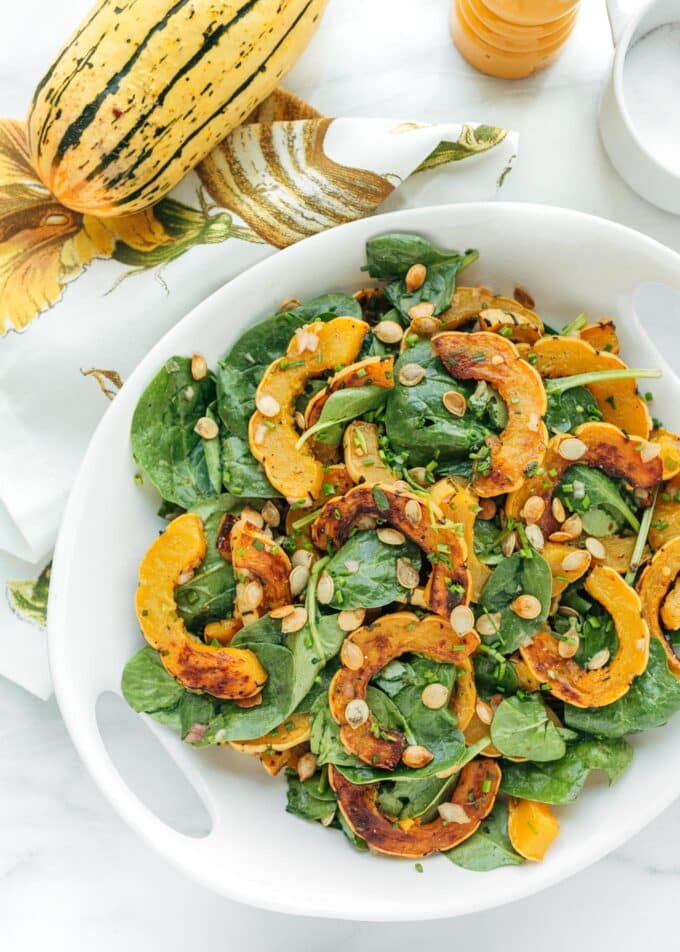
[70, 873]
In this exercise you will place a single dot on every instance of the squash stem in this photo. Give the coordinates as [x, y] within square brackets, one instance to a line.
[576, 325]
[561, 384]
[318, 428]
[310, 605]
[641, 540]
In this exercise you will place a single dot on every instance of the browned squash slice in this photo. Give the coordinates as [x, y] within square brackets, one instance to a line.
[531, 828]
[464, 695]
[295, 730]
[510, 317]
[476, 728]
[449, 582]
[606, 447]
[601, 336]
[459, 504]
[222, 631]
[223, 540]
[336, 482]
[670, 451]
[468, 303]
[619, 552]
[222, 672]
[657, 584]
[377, 371]
[666, 522]
[274, 761]
[475, 794]
[362, 454]
[386, 639]
[272, 433]
[255, 556]
[618, 400]
[555, 553]
[489, 357]
[568, 680]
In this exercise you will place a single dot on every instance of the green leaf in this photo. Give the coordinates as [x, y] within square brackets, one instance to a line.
[147, 686]
[241, 370]
[310, 655]
[492, 677]
[209, 594]
[599, 491]
[512, 577]
[561, 781]
[162, 435]
[28, 597]
[312, 800]
[241, 473]
[344, 405]
[521, 728]
[390, 256]
[651, 701]
[418, 423]
[568, 410]
[488, 848]
[364, 571]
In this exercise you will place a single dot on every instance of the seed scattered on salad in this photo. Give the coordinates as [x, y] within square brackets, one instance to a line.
[415, 277]
[206, 428]
[410, 375]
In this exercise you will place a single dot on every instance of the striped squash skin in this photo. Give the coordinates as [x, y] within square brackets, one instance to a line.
[144, 89]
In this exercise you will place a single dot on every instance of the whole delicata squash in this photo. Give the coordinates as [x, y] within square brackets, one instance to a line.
[473, 798]
[570, 682]
[618, 400]
[386, 639]
[272, 434]
[222, 672]
[490, 357]
[601, 445]
[419, 520]
[660, 594]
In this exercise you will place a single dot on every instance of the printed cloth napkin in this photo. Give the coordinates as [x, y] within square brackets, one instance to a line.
[83, 299]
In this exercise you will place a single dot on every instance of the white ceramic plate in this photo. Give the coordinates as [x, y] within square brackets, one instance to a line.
[256, 853]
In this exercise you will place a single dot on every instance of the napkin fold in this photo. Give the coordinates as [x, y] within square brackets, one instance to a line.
[82, 299]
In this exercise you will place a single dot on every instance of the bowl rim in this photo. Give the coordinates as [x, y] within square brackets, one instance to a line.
[516, 888]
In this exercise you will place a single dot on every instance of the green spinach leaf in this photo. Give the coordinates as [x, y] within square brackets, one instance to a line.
[488, 848]
[596, 490]
[344, 405]
[325, 737]
[561, 781]
[147, 687]
[390, 256]
[513, 577]
[418, 424]
[521, 728]
[241, 370]
[569, 409]
[311, 799]
[650, 701]
[492, 677]
[241, 473]
[164, 442]
[364, 571]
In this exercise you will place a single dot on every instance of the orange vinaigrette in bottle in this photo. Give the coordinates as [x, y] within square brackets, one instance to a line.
[512, 39]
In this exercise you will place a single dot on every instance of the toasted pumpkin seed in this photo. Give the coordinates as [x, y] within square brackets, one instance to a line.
[533, 509]
[391, 536]
[569, 646]
[417, 598]
[296, 620]
[302, 557]
[488, 624]
[435, 696]
[508, 544]
[367, 523]
[389, 332]
[267, 405]
[199, 367]
[422, 309]
[298, 579]
[357, 712]
[411, 374]
[487, 509]
[455, 403]
[350, 620]
[415, 278]
[419, 475]
[271, 514]
[407, 573]
[413, 512]
[462, 619]
[573, 526]
[425, 326]
[526, 606]
[206, 428]
[416, 756]
[484, 711]
[572, 448]
[306, 766]
[252, 596]
[599, 660]
[558, 510]
[576, 561]
[452, 813]
[325, 588]
[282, 611]
[596, 549]
[253, 517]
[535, 536]
[351, 655]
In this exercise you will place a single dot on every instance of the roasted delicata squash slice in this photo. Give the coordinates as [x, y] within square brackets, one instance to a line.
[570, 682]
[272, 434]
[464, 697]
[386, 639]
[295, 730]
[460, 505]
[601, 445]
[361, 448]
[222, 672]
[471, 801]
[490, 357]
[222, 631]
[565, 572]
[479, 725]
[601, 335]
[262, 570]
[660, 593]
[665, 524]
[618, 400]
[493, 313]
[419, 520]
[532, 827]
[618, 552]
[670, 451]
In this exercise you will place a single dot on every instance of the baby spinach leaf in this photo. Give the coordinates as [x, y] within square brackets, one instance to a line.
[209, 594]
[561, 781]
[344, 405]
[521, 728]
[241, 473]
[147, 686]
[512, 577]
[364, 571]
[312, 799]
[492, 677]
[310, 654]
[390, 256]
[488, 848]
[241, 370]
[418, 424]
[164, 442]
[568, 410]
[649, 702]
[597, 491]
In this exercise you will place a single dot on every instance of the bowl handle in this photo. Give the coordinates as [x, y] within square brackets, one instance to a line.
[619, 13]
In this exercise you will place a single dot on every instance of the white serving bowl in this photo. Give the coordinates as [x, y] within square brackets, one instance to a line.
[255, 852]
